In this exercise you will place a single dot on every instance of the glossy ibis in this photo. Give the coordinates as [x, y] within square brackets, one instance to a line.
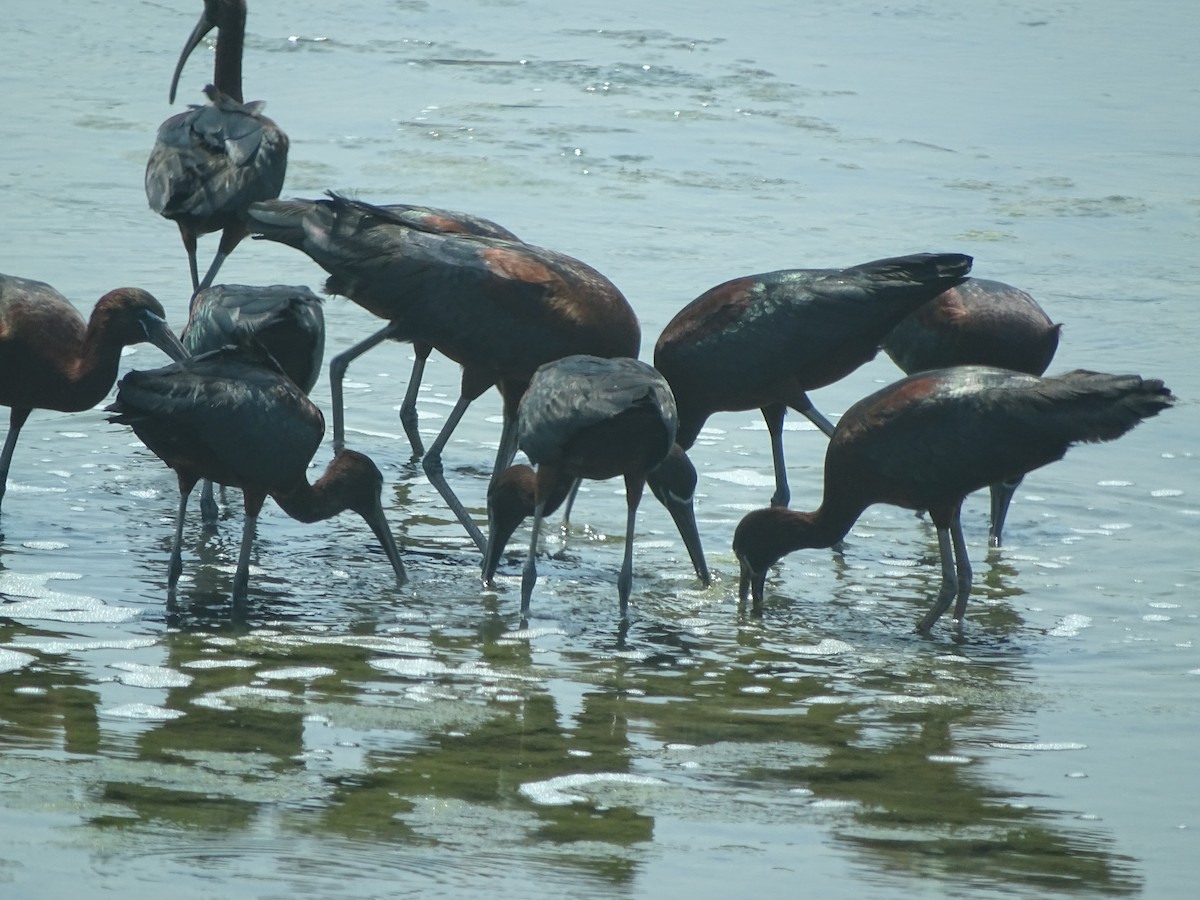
[977, 323]
[930, 439]
[284, 321]
[498, 308]
[50, 358]
[763, 341]
[238, 420]
[211, 162]
[283, 221]
[587, 417]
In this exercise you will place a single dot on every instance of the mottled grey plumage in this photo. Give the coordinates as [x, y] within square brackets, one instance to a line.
[577, 392]
[287, 321]
[587, 417]
[211, 162]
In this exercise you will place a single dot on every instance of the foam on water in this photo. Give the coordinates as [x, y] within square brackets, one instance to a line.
[138, 675]
[564, 790]
[140, 711]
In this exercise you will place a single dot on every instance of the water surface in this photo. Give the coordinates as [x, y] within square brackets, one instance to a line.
[346, 737]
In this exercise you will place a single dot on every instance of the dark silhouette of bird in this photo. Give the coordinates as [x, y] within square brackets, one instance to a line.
[237, 420]
[284, 321]
[763, 341]
[498, 308]
[930, 439]
[212, 161]
[283, 221]
[50, 358]
[587, 417]
[978, 323]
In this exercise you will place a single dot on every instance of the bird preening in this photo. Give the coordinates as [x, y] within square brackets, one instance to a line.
[212, 161]
[927, 441]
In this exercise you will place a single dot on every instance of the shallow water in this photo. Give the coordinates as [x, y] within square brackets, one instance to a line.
[347, 737]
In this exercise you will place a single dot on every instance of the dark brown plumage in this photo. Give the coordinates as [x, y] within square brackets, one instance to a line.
[978, 323]
[930, 439]
[499, 308]
[50, 358]
[239, 421]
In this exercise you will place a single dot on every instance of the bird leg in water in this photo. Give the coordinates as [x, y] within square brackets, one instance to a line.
[209, 510]
[253, 501]
[337, 372]
[529, 573]
[408, 409]
[773, 415]
[16, 420]
[956, 575]
[175, 566]
[432, 464]
[634, 485]
[963, 567]
[949, 582]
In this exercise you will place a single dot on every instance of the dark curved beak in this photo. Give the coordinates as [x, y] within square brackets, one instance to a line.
[673, 484]
[203, 27]
[159, 333]
[684, 514]
[379, 527]
[494, 549]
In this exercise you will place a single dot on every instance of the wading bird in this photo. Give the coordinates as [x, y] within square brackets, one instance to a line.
[498, 308]
[587, 417]
[763, 341]
[211, 162]
[241, 422]
[50, 358]
[283, 222]
[930, 439]
[284, 321]
[978, 323]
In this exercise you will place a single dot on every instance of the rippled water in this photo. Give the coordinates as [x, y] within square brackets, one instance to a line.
[351, 738]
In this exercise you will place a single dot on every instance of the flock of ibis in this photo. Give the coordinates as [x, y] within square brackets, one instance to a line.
[560, 343]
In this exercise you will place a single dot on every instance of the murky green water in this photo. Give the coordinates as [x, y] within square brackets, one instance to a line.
[346, 737]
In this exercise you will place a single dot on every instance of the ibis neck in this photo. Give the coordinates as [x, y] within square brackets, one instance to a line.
[310, 502]
[94, 370]
[227, 68]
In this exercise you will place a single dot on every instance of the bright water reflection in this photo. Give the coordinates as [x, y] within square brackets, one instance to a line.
[345, 737]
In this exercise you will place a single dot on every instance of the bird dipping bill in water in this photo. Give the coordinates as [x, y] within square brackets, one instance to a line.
[930, 439]
[239, 421]
[50, 358]
[212, 161]
[284, 321]
[978, 323]
[586, 417]
[498, 308]
[764, 341]
[283, 221]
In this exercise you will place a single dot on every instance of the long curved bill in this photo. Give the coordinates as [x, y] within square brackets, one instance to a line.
[203, 27]
[379, 526]
[159, 333]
